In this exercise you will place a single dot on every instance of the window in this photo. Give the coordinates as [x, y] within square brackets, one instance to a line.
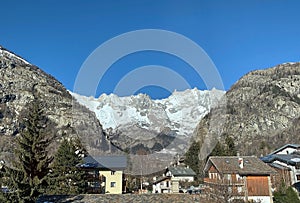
[93, 184]
[113, 184]
[240, 189]
[113, 173]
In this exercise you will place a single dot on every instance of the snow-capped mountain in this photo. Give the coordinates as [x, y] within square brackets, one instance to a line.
[160, 129]
[180, 112]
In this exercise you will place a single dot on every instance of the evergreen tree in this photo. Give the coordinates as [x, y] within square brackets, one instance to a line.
[26, 177]
[192, 157]
[230, 149]
[65, 176]
[285, 195]
[219, 150]
[225, 150]
[291, 195]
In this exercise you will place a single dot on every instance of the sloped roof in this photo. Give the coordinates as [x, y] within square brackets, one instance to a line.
[181, 171]
[289, 159]
[230, 164]
[278, 166]
[295, 146]
[161, 179]
[105, 162]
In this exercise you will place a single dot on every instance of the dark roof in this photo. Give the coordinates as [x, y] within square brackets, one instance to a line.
[161, 179]
[278, 166]
[181, 171]
[105, 162]
[268, 159]
[229, 164]
[290, 159]
[295, 146]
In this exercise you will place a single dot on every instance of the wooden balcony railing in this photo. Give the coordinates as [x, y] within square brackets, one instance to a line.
[223, 182]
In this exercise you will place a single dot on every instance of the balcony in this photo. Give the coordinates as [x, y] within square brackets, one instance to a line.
[223, 182]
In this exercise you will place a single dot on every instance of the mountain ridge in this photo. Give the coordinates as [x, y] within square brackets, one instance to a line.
[137, 122]
[18, 78]
[114, 111]
[261, 113]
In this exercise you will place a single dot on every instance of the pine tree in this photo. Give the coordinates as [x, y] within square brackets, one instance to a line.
[65, 176]
[219, 150]
[228, 149]
[285, 195]
[230, 146]
[192, 157]
[26, 178]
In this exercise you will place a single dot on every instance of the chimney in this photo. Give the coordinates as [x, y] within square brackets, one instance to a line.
[241, 162]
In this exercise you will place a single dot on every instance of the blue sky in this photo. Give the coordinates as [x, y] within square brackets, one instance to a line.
[239, 36]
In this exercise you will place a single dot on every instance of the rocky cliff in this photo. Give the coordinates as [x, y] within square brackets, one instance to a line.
[17, 79]
[261, 112]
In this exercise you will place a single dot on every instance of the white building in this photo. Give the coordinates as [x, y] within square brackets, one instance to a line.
[287, 156]
[169, 182]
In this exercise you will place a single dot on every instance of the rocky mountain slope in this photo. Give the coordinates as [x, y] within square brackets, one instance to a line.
[17, 79]
[157, 122]
[140, 122]
[261, 112]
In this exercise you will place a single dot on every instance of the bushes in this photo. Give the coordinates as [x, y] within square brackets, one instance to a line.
[286, 195]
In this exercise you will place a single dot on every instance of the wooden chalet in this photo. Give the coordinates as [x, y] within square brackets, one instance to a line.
[239, 177]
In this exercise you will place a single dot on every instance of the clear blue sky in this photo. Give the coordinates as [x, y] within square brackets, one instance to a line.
[239, 36]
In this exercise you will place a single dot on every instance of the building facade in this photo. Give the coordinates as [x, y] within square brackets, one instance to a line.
[170, 181]
[105, 173]
[239, 177]
[286, 161]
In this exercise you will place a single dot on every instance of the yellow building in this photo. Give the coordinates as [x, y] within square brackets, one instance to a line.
[105, 173]
[113, 181]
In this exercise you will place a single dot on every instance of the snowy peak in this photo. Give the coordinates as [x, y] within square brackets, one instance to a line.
[180, 112]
